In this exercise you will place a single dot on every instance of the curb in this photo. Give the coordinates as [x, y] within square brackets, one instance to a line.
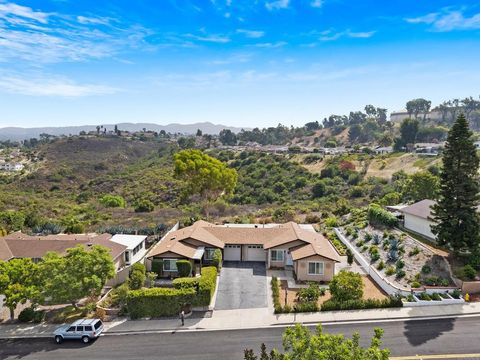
[187, 329]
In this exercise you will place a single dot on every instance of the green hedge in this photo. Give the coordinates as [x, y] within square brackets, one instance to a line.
[206, 286]
[276, 296]
[157, 266]
[379, 216]
[184, 268]
[331, 305]
[186, 283]
[156, 302]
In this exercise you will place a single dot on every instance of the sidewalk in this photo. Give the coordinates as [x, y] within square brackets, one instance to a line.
[252, 318]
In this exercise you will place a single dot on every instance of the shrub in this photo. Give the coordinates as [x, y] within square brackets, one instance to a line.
[426, 269]
[156, 302]
[144, 205]
[332, 304]
[346, 285]
[26, 314]
[367, 237]
[206, 286]
[112, 201]
[381, 265]
[436, 297]
[410, 298]
[100, 314]
[186, 283]
[157, 266]
[390, 271]
[184, 268]
[400, 273]
[276, 295]
[137, 276]
[217, 259]
[312, 293]
[456, 294]
[399, 264]
[309, 306]
[376, 239]
[415, 285]
[331, 221]
[436, 281]
[312, 219]
[350, 257]
[424, 296]
[339, 246]
[415, 251]
[379, 216]
[469, 272]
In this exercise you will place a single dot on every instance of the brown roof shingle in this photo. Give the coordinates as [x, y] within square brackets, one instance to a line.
[421, 209]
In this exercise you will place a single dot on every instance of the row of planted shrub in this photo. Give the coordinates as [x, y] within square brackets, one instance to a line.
[359, 304]
[157, 302]
[308, 306]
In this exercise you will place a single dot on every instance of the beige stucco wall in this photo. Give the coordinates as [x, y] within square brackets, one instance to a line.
[301, 269]
[288, 246]
[419, 225]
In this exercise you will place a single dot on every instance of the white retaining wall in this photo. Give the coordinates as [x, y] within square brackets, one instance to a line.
[385, 284]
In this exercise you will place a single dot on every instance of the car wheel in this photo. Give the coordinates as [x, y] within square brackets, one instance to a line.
[58, 339]
[85, 339]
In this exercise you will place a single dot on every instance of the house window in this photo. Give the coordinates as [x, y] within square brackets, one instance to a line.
[276, 255]
[315, 268]
[127, 257]
[209, 253]
[170, 265]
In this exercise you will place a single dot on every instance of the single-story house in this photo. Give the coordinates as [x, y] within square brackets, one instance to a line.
[124, 249]
[418, 218]
[383, 150]
[279, 246]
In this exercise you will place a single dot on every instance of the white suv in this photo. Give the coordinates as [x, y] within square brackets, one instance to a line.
[83, 329]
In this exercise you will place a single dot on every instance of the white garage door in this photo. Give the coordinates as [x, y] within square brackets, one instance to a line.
[231, 253]
[255, 253]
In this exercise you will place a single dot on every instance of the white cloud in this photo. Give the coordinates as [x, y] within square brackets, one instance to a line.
[210, 38]
[253, 34]
[270, 45]
[9, 10]
[330, 35]
[316, 3]
[85, 20]
[448, 20]
[277, 4]
[48, 86]
[361, 35]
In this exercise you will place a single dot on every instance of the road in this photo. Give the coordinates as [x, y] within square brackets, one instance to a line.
[445, 336]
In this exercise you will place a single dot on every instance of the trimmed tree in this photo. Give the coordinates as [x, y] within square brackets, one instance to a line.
[184, 268]
[137, 276]
[455, 213]
[346, 285]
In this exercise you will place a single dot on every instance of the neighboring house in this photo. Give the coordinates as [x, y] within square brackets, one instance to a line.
[418, 218]
[289, 245]
[383, 150]
[124, 249]
[6, 166]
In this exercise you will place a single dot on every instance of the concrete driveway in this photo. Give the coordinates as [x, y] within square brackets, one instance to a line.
[242, 285]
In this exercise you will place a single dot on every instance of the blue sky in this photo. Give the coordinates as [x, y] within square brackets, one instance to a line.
[240, 63]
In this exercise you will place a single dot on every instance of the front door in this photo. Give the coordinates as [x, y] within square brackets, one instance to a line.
[288, 259]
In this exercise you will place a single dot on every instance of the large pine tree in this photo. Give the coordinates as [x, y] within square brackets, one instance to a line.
[458, 223]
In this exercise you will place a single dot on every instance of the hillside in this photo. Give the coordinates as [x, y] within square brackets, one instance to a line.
[17, 133]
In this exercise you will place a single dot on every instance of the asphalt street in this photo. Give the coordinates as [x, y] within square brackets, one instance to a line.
[445, 336]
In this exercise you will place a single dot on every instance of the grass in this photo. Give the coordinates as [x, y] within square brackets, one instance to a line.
[66, 314]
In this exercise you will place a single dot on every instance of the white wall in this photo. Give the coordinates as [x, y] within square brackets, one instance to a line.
[419, 225]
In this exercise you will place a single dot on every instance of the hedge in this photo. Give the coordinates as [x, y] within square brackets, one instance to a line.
[206, 286]
[156, 302]
[379, 216]
[184, 268]
[186, 283]
[331, 304]
[276, 296]
[157, 266]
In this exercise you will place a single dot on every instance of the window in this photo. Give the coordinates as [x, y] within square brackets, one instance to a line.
[71, 329]
[80, 328]
[315, 268]
[127, 256]
[255, 246]
[170, 265]
[276, 255]
[88, 328]
[209, 253]
[97, 324]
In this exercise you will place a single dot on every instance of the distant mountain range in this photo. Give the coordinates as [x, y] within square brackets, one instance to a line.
[18, 133]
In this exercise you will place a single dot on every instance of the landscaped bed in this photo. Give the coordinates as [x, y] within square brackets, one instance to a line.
[398, 257]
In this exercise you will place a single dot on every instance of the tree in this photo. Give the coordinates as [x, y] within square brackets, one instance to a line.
[199, 133]
[184, 268]
[186, 142]
[73, 225]
[19, 282]
[346, 285]
[408, 133]
[458, 224]
[81, 272]
[300, 343]
[204, 175]
[217, 259]
[418, 106]
[227, 137]
[137, 276]
[421, 185]
[143, 205]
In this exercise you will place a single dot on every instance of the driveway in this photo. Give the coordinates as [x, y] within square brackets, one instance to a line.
[242, 285]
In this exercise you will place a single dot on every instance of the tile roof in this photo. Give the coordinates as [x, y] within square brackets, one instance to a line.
[421, 209]
[269, 236]
[19, 245]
